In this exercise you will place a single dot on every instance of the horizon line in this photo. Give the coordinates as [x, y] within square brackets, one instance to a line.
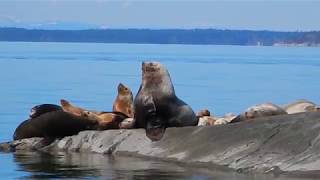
[143, 28]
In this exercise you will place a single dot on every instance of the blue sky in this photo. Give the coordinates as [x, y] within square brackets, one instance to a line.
[283, 15]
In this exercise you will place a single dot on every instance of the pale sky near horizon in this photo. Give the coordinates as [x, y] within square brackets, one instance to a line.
[283, 15]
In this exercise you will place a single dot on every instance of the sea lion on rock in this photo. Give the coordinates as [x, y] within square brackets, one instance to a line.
[301, 106]
[68, 107]
[261, 110]
[213, 121]
[54, 124]
[124, 101]
[227, 118]
[204, 118]
[42, 109]
[127, 123]
[203, 112]
[156, 105]
[105, 120]
[206, 121]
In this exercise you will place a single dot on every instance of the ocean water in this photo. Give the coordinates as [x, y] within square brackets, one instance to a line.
[220, 78]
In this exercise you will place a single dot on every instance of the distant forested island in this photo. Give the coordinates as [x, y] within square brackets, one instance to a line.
[165, 36]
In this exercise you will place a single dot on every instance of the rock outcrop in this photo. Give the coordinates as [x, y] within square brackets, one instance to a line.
[277, 143]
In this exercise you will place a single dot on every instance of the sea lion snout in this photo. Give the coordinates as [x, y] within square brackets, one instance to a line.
[64, 102]
[121, 87]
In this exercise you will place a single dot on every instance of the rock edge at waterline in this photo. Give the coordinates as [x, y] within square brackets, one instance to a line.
[279, 143]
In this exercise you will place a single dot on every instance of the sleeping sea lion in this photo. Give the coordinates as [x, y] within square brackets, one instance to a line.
[53, 124]
[124, 101]
[156, 105]
[260, 110]
[227, 118]
[105, 120]
[301, 106]
[42, 109]
[206, 121]
[203, 112]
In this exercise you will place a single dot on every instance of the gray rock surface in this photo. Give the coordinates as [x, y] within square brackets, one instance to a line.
[280, 143]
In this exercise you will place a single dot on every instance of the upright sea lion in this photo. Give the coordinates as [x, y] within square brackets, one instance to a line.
[105, 120]
[156, 105]
[124, 101]
[68, 107]
[261, 110]
[53, 125]
[301, 106]
[43, 108]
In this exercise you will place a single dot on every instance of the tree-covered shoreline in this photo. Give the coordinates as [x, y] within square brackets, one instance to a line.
[165, 36]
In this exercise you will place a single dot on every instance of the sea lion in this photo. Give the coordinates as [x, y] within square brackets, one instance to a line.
[54, 124]
[124, 101]
[227, 118]
[261, 110]
[43, 108]
[127, 123]
[68, 107]
[156, 105]
[206, 121]
[204, 118]
[301, 106]
[203, 112]
[105, 120]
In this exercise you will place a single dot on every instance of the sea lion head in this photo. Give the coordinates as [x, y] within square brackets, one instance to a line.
[156, 77]
[64, 102]
[204, 112]
[312, 108]
[124, 90]
[89, 115]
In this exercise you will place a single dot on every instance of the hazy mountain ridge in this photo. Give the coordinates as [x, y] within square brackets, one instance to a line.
[165, 36]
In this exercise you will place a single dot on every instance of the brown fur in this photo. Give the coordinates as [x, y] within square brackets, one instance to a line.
[105, 120]
[67, 107]
[124, 101]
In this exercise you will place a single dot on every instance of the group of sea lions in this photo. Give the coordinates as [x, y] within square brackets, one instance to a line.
[256, 111]
[154, 108]
[54, 121]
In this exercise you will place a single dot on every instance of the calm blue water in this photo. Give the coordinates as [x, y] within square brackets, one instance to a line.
[220, 78]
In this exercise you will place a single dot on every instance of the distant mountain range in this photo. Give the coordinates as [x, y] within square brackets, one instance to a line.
[164, 36]
[48, 25]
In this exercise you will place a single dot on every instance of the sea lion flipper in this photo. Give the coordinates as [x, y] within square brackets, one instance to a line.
[149, 104]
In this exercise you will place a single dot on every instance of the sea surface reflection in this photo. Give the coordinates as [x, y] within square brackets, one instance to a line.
[39, 165]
